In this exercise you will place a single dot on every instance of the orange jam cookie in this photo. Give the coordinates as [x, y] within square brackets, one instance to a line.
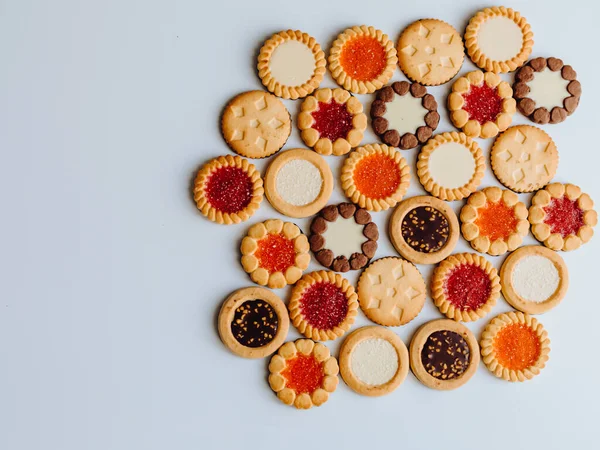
[275, 253]
[515, 346]
[430, 52]
[362, 59]
[498, 39]
[494, 221]
[323, 305]
[303, 373]
[228, 189]
[375, 177]
[451, 166]
[253, 322]
[562, 216]
[332, 121]
[481, 104]
[291, 64]
[465, 287]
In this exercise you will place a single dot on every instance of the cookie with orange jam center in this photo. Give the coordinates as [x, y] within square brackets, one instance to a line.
[375, 177]
[494, 221]
[362, 59]
[275, 253]
[515, 346]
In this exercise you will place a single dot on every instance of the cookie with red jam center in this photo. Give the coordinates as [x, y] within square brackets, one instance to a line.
[562, 216]
[481, 104]
[465, 287]
[323, 305]
[228, 189]
[332, 121]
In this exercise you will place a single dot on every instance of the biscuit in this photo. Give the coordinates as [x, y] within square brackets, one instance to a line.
[375, 177]
[534, 279]
[362, 59]
[481, 104]
[546, 90]
[253, 322]
[562, 216]
[451, 166]
[391, 291]
[256, 124]
[524, 158]
[228, 189]
[373, 361]
[303, 373]
[444, 354]
[515, 346]
[404, 115]
[298, 183]
[430, 52]
[424, 229]
[275, 253]
[332, 121]
[291, 64]
[343, 237]
[498, 39]
[494, 221]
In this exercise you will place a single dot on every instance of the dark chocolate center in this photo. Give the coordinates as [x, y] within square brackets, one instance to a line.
[425, 229]
[254, 323]
[446, 355]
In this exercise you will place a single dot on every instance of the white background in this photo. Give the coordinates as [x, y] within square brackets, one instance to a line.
[111, 279]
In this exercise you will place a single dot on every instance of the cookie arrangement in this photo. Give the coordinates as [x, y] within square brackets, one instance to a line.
[323, 305]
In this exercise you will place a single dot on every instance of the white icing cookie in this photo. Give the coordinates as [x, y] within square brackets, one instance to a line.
[292, 63]
[500, 38]
[344, 237]
[451, 165]
[299, 182]
[548, 89]
[405, 114]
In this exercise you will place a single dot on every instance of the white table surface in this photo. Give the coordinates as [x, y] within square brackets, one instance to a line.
[112, 279]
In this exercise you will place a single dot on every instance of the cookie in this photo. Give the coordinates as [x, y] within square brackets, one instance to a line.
[494, 221]
[303, 373]
[404, 114]
[481, 104]
[275, 253]
[498, 39]
[424, 229]
[391, 292]
[323, 305]
[562, 216]
[524, 158]
[515, 346]
[298, 183]
[534, 279]
[465, 287]
[375, 177]
[546, 90]
[228, 189]
[332, 121]
[444, 354]
[362, 59]
[451, 166]
[430, 52]
[291, 64]
[373, 361]
[256, 124]
[343, 237]
[253, 322]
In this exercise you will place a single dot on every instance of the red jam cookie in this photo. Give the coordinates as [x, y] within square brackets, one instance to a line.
[465, 287]
[228, 190]
[481, 104]
[362, 59]
[494, 221]
[275, 253]
[332, 121]
[323, 305]
[303, 373]
[515, 346]
[375, 177]
[562, 217]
